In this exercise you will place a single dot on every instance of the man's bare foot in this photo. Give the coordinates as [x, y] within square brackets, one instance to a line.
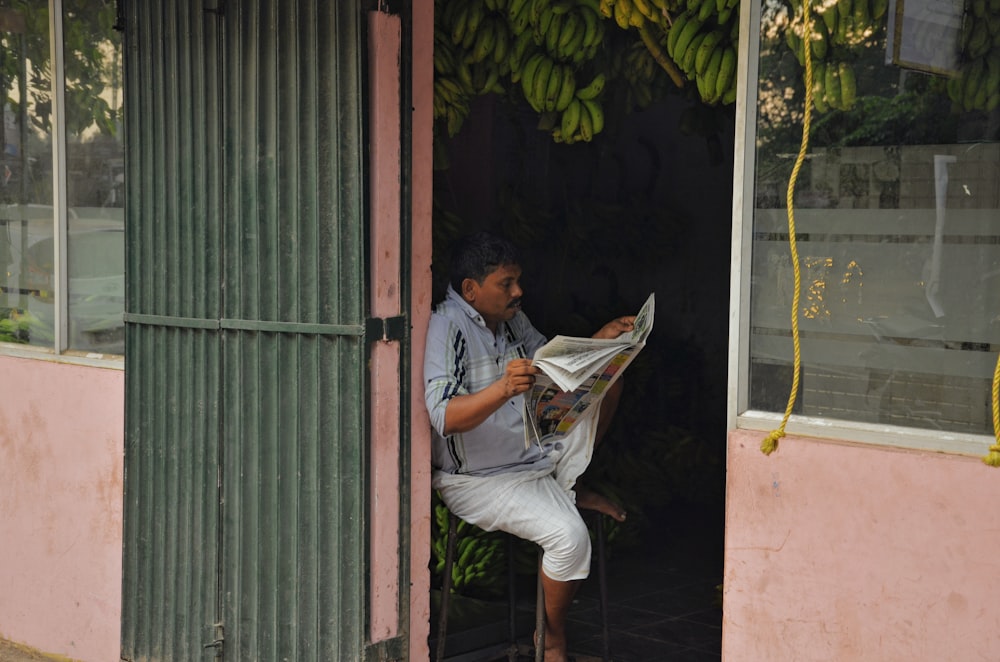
[590, 500]
[555, 647]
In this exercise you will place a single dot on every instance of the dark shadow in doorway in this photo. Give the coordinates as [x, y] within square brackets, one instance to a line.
[664, 603]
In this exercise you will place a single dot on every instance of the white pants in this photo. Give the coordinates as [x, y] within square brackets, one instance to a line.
[534, 505]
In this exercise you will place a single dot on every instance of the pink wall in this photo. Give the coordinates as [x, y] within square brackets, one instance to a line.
[384, 35]
[420, 428]
[845, 552]
[61, 445]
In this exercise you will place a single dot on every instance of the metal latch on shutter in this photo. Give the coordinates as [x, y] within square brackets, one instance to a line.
[220, 636]
[386, 328]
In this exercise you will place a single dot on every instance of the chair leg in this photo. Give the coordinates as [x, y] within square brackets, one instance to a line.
[540, 614]
[449, 562]
[511, 601]
[603, 584]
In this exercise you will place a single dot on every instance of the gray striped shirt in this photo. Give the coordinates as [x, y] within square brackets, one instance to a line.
[463, 356]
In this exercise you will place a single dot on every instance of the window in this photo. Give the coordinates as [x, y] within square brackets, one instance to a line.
[62, 283]
[895, 210]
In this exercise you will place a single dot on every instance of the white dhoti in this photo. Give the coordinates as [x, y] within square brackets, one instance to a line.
[534, 505]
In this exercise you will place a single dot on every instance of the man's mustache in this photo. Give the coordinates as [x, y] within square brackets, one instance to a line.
[515, 303]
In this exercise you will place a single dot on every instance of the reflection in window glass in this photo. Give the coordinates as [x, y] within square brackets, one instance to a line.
[895, 212]
[95, 177]
[25, 174]
[94, 156]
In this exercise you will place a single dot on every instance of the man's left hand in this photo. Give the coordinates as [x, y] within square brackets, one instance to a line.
[616, 327]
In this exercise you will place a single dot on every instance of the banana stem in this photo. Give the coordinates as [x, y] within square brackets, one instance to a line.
[661, 57]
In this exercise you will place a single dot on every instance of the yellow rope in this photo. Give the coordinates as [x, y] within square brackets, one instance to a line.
[993, 457]
[770, 442]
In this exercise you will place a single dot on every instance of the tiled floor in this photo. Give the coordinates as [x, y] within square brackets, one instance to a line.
[664, 604]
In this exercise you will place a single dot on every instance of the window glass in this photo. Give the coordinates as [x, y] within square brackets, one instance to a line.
[895, 211]
[25, 174]
[95, 176]
[94, 155]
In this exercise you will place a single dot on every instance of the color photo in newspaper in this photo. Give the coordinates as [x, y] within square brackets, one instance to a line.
[576, 373]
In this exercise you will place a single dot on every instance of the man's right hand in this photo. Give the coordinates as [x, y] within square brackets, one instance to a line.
[518, 377]
[465, 412]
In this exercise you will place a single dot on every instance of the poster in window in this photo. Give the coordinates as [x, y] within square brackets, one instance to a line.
[924, 35]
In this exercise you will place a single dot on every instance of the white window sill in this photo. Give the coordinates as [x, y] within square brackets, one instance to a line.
[89, 359]
[873, 434]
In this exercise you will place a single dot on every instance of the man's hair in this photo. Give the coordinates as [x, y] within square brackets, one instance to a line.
[478, 255]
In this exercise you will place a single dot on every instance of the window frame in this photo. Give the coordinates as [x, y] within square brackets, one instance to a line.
[60, 350]
[738, 414]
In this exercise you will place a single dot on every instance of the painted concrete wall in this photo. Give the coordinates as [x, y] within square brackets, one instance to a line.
[845, 552]
[422, 184]
[61, 445]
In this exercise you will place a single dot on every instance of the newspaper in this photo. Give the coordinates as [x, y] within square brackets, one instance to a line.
[576, 373]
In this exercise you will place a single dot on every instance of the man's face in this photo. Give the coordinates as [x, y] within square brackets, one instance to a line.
[498, 298]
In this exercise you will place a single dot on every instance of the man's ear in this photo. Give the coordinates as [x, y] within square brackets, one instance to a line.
[469, 288]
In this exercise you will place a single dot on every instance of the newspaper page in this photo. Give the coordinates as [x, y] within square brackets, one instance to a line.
[576, 373]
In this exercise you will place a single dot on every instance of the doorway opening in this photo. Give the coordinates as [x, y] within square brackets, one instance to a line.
[643, 207]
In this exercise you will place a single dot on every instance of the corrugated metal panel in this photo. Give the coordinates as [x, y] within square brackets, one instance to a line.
[246, 283]
[171, 509]
[294, 554]
[170, 585]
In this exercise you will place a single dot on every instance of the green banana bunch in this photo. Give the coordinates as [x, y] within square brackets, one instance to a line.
[636, 13]
[707, 48]
[535, 80]
[478, 562]
[568, 30]
[725, 87]
[480, 556]
[815, 36]
[641, 72]
[518, 15]
[655, 13]
[580, 121]
[640, 68]
[834, 86]
[547, 43]
[848, 85]
[450, 104]
[819, 88]
[701, 43]
[520, 52]
[682, 32]
[717, 83]
[462, 20]
[475, 50]
[836, 30]
[444, 55]
[622, 13]
[840, 24]
[845, 23]
[592, 89]
[976, 86]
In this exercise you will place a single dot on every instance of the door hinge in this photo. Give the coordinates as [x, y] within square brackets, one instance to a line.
[388, 328]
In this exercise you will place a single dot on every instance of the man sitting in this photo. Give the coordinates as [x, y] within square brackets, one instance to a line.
[476, 367]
